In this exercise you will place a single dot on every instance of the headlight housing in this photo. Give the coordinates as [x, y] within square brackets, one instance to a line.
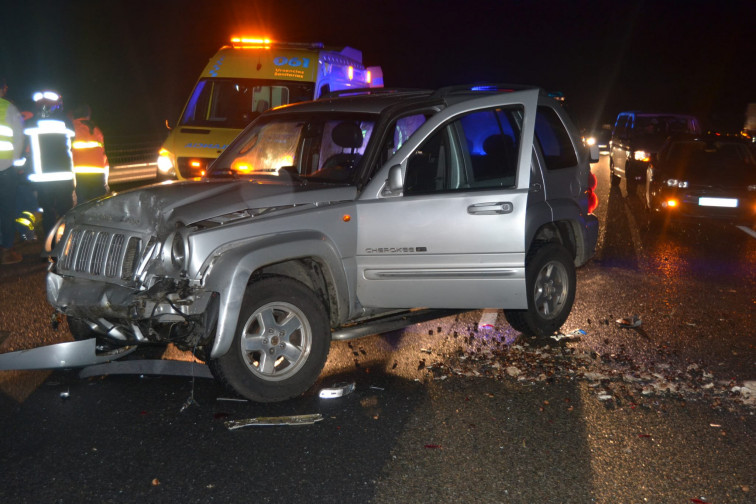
[680, 184]
[55, 235]
[641, 155]
[165, 161]
[176, 250]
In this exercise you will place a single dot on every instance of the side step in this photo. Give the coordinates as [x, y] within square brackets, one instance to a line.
[390, 323]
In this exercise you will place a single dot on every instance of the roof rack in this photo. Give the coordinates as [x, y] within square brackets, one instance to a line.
[374, 91]
[485, 86]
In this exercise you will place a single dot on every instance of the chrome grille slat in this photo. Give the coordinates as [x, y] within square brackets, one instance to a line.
[111, 268]
[97, 252]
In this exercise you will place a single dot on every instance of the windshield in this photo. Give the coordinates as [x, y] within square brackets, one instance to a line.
[716, 155]
[662, 125]
[318, 148]
[234, 103]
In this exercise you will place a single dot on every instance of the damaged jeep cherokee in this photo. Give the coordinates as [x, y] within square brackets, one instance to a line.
[351, 215]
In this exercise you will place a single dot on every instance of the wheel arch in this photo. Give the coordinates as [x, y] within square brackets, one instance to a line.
[316, 264]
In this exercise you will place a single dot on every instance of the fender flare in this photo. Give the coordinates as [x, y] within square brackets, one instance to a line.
[230, 271]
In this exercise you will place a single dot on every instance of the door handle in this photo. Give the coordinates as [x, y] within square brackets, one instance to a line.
[501, 207]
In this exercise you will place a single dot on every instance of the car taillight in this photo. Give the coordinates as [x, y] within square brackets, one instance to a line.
[592, 198]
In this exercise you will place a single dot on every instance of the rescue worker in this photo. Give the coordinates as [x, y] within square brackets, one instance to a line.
[11, 147]
[90, 163]
[50, 133]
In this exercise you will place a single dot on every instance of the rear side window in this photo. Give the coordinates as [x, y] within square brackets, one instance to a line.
[554, 141]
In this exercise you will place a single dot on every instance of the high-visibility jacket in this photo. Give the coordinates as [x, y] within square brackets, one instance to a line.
[11, 138]
[88, 149]
[50, 150]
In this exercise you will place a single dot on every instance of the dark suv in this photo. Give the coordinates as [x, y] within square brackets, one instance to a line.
[638, 135]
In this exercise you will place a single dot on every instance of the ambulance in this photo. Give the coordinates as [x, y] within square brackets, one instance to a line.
[243, 80]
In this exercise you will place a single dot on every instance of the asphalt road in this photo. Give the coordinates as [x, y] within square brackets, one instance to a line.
[446, 411]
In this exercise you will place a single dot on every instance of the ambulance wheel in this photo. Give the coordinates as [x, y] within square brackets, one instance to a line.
[281, 343]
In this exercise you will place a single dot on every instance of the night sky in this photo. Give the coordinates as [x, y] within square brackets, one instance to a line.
[136, 61]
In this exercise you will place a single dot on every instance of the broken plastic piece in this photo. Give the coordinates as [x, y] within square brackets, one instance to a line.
[629, 322]
[571, 336]
[281, 420]
[338, 390]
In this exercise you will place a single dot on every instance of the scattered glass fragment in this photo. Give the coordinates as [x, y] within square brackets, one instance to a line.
[338, 390]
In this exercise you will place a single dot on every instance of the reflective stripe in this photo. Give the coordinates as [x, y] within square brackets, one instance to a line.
[51, 177]
[86, 144]
[6, 145]
[6, 131]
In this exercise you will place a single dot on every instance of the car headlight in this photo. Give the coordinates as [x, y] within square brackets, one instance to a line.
[640, 155]
[752, 187]
[164, 161]
[680, 184]
[55, 235]
[590, 141]
[176, 250]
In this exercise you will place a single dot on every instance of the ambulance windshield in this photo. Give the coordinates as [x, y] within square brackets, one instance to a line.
[234, 103]
[317, 148]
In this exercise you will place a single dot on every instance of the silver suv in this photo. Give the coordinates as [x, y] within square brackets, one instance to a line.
[333, 219]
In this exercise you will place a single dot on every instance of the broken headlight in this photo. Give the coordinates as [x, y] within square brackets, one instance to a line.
[177, 248]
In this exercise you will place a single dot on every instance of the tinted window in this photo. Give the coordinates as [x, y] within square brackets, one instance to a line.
[477, 151]
[554, 140]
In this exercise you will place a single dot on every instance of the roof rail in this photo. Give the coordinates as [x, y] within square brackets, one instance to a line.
[485, 86]
[373, 91]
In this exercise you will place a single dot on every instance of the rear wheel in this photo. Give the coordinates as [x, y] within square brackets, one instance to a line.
[281, 342]
[550, 283]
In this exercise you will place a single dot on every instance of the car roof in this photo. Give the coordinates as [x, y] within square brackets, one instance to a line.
[376, 100]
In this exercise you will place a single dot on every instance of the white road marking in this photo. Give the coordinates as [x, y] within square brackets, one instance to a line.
[747, 230]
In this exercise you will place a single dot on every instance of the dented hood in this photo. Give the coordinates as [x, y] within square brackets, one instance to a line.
[158, 207]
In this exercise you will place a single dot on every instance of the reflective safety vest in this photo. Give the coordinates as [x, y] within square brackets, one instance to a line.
[50, 149]
[6, 132]
[88, 149]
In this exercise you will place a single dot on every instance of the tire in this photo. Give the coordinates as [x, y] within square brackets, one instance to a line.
[550, 284]
[281, 342]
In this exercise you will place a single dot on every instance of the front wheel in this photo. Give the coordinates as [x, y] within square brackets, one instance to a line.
[281, 342]
[550, 284]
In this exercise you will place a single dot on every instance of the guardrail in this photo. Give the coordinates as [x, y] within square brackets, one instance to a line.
[132, 159]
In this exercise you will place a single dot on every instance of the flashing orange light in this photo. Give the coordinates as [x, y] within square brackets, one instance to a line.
[671, 203]
[241, 167]
[245, 42]
[346, 218]
[195, 164]
[369, 78]
[350, 72]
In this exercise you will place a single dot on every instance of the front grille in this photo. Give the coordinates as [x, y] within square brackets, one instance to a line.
[193, 167]
[100, 253]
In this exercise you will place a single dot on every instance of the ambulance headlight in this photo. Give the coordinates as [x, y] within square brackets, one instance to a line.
[165, 161]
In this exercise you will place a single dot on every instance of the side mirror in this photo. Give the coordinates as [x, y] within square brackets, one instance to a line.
[593, 153]
[394, 182]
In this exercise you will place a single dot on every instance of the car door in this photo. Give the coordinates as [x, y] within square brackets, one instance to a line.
[450, 234]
